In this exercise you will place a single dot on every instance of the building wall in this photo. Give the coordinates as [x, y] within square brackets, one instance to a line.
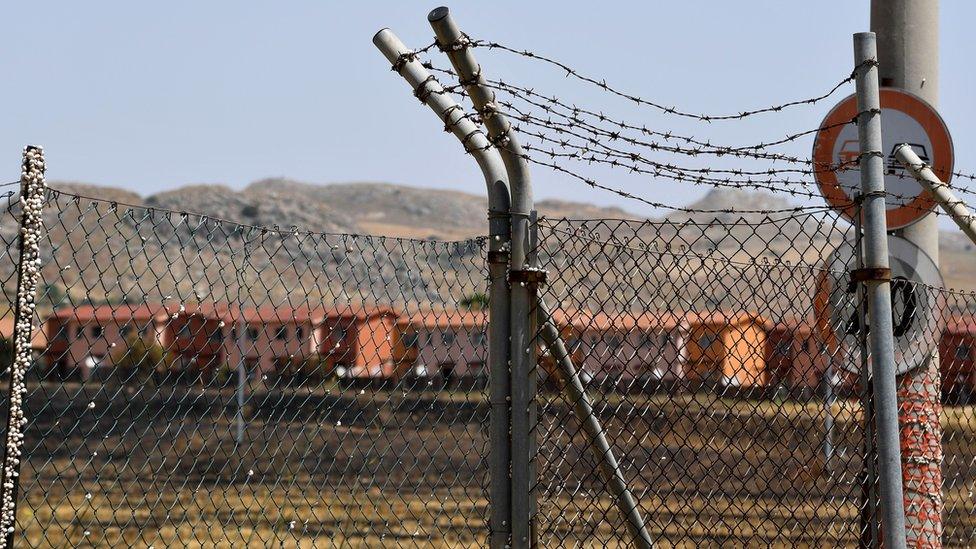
[75, 346]
[734, 353]
[259, 342]
[459, 351]
[957, 355]
[626, 354]
[195, 341]
[796, 357]
[706, 353]
[368, 348]
[745, 355]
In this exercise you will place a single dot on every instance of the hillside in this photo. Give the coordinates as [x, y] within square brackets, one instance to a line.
[104, 254]
[360, 208]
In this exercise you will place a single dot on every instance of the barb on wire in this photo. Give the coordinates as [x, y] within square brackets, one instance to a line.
[574, 119]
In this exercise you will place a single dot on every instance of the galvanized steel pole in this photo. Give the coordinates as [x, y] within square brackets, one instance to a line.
[522, 263]
[499, 310]
[869, 474]
[876, 278]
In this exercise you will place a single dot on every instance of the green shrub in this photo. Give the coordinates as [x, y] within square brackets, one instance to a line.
[141, 359]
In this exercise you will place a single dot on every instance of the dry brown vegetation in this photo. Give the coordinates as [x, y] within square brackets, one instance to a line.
[366, 467]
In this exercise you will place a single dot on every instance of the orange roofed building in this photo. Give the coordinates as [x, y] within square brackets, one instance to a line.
[354, 341]
[78, 340]
[727, 348]
[796, 355]
[446, 343]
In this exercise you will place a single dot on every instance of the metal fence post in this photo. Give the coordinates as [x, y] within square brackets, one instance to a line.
[869, 476]
[240, 331]
[876, 277]
[522, 262]
[32, 194]
[499, 234]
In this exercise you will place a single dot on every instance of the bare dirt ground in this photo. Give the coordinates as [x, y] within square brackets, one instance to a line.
[367, 467]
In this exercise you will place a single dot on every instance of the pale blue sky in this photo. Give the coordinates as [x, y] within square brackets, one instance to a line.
[151, 96]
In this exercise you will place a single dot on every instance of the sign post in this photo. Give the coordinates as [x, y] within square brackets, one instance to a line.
[892, 199]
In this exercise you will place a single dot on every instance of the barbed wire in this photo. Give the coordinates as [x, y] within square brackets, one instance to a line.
[631, 196]
[422, 91]
[524, 94]
[571, 116]
[713, 254]
[630, 161]
[612, 135]
[570, 71]
[718, 150]
[701, 148]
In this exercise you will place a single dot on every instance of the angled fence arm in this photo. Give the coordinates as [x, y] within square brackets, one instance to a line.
[956, 208]
[499, 201]
[573, 387]
[524, 409]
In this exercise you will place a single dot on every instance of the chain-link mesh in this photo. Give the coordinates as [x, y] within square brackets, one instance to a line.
[721, 356]
[955, 384]
[198, 382]
[205, 383]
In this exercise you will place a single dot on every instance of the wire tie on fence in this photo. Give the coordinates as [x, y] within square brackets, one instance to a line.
[859, 199]
[466, 138]
[462, 43]
[868, 274]
[402, 60]
[422, 91]
[532, 277]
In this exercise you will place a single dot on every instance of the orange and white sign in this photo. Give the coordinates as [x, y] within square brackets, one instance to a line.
[905, 118]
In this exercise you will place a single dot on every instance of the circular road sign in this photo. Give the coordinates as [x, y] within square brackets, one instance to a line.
[905, 118]
[915, 302]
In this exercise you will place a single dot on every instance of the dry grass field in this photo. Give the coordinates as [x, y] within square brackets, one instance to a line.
[366, 467]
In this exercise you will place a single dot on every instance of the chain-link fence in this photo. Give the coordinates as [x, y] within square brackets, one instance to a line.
[722, 359]
[198, 382]
[204, 383]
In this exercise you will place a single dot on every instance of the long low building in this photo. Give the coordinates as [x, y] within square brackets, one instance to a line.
[624, 349]
[359, 341]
